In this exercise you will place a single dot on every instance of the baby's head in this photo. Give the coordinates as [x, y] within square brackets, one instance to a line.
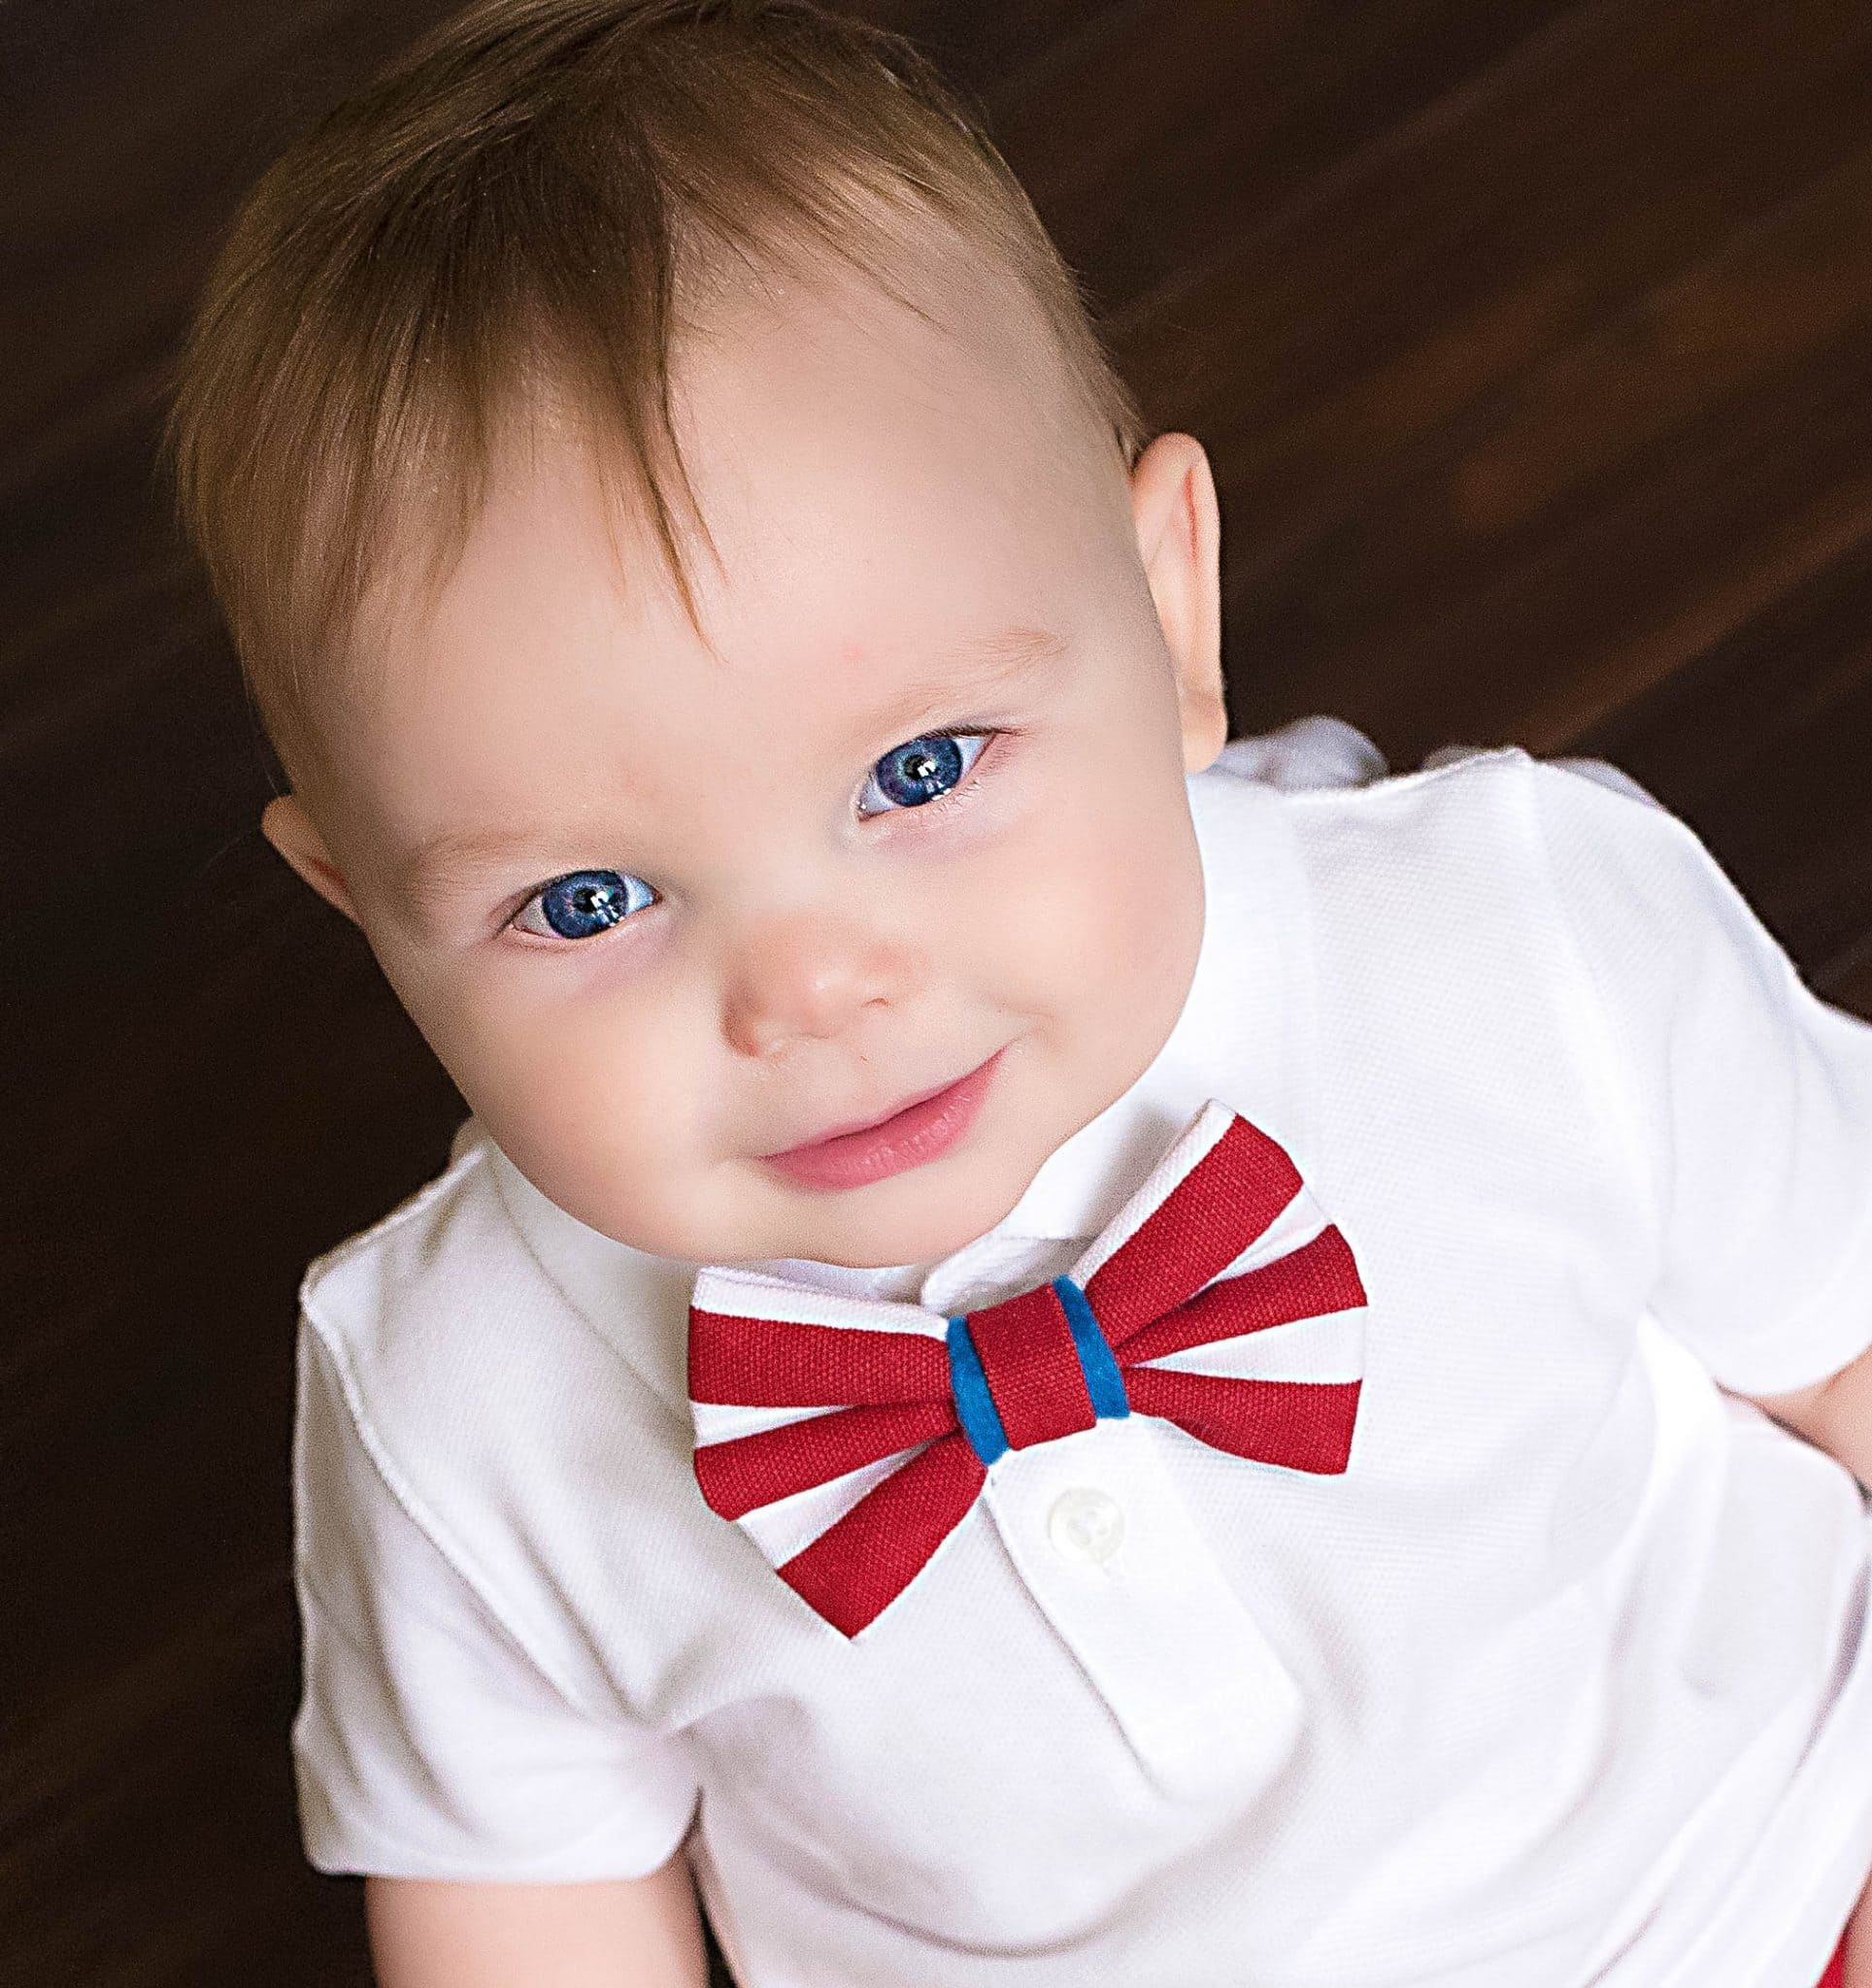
[690, 833]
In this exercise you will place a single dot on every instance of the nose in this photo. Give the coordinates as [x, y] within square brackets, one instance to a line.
[810, 975]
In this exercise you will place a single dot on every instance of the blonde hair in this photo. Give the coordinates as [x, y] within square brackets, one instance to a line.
[521, 196]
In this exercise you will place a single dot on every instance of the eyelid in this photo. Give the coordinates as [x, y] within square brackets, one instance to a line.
[987, 734]
[558, 941]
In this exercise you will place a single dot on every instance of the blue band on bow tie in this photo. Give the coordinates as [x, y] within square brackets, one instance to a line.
[975, 1406]
[1103, 1382]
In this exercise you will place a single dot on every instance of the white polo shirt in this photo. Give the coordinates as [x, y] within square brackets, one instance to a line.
[1563, 1680]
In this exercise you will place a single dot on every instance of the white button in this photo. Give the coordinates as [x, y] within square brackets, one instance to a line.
[1086, 1525]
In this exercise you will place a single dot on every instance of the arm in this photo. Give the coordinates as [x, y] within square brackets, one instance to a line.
[1834, 1414]
[627, 1933]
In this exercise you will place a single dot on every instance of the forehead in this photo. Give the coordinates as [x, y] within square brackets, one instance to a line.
[880, 491]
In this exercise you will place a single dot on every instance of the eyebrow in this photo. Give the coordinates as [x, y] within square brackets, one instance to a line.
[988, 666]
[444, 865]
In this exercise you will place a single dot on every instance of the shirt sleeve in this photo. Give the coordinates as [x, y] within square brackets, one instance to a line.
[1747, 1097]
[429, 1742]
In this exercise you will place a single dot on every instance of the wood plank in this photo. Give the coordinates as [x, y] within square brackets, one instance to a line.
[1851, 986]
[1154, 144]
[1763, 744]
[988, 49]
[154, 1816]
[1332, 357]
[227, 1149]
[1574, 547]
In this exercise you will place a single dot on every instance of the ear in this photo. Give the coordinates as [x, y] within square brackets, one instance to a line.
[287, 825]
[1180, 536]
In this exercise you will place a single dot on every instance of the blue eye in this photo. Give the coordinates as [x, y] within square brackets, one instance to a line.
[920, 770]
[585, 902]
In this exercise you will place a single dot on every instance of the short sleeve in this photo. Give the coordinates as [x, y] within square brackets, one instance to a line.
[1749, 1098]
[428, 1741]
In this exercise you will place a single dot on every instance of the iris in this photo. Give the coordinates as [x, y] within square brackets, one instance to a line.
[590, 901]
[920, 770]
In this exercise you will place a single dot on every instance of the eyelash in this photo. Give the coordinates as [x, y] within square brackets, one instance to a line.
[955, 797]
[952, 797]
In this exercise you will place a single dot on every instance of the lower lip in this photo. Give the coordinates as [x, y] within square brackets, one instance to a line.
[913, 1138]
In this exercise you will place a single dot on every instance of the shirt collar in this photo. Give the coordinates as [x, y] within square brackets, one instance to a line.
[1243, 1036]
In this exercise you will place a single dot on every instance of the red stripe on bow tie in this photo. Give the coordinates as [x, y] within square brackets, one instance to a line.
[1304, 1425]
[1218, 1208]
[773, 1363]
[853, 1571]
[1032, 1368]
[1308, 1282]
[746, 1471]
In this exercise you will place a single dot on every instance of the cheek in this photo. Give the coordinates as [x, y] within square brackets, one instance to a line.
[1093, 911]
[588, 1085]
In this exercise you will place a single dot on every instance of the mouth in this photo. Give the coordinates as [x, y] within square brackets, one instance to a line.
[910, 1135]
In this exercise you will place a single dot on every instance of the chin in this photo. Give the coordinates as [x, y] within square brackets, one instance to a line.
[942, 1217]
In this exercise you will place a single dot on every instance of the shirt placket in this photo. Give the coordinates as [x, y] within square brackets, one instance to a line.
[1099, 1535]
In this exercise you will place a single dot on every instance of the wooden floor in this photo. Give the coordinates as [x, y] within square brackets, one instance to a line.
[1533, 344]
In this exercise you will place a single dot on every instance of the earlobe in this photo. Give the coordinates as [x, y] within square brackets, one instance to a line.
[1179, 532]
[287, 825]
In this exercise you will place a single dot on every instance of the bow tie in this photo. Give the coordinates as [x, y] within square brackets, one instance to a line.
[850, 1437]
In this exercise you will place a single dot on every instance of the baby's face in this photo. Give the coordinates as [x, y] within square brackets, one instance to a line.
[915, 850]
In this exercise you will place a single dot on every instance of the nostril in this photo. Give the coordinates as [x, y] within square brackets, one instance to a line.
[752, 1038]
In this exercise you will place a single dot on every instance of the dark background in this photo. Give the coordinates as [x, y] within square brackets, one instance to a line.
[1533, 344]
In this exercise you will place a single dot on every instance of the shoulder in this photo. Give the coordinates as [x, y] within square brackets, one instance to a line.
[382, 1294]
[1481, 810]
[1465, 890]
[474, 1306]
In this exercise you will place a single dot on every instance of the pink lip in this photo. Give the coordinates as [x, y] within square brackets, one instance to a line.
[910, 1136]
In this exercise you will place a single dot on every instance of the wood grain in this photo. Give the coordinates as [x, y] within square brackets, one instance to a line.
[1533, 344]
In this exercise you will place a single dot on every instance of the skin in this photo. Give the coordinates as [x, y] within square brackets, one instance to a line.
[880, 491]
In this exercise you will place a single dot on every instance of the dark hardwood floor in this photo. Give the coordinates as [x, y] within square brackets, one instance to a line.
[1532, 344]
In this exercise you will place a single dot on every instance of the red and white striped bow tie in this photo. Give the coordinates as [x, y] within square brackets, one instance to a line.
[849, 1437]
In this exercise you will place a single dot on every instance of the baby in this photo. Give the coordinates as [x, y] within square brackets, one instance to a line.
[1041, 1362]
